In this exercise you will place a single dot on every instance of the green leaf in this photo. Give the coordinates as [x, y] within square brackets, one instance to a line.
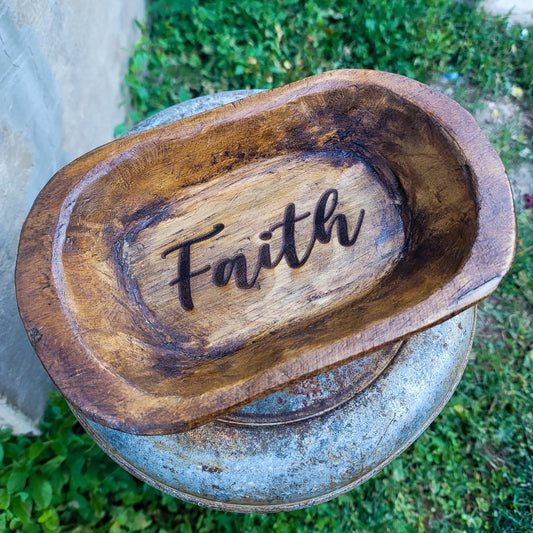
[120, 130]
[49, 520]
[59, 447]
[183, 94]
[17, 480]
[143, 93]
[15, 524]
[21, 506]
[52, 465]
[97, 503]
[5, 498]
[370, 25]
[36, 449]
[1, 454]
[140, 521]
[40, 491]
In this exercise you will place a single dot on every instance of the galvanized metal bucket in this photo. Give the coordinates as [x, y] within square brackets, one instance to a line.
[312, 441]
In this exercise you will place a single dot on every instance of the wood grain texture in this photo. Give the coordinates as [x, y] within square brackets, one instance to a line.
[175, 275]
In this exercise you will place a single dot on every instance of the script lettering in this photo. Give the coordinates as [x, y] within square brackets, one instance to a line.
[325, 221]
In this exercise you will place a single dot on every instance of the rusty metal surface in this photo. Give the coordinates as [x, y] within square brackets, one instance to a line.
[312, 441]
[316, 395]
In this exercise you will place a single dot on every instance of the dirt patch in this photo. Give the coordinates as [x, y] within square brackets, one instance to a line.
[508, 123]
[510, 127]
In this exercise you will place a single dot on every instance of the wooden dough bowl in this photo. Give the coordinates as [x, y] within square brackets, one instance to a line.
[175, 275]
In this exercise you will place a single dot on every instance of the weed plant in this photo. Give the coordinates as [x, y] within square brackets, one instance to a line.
[472, 470]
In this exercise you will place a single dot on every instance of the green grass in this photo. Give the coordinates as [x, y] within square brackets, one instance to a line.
[472, 470]
[194, 48]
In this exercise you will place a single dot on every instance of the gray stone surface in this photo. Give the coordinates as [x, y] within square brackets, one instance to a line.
[62, 63]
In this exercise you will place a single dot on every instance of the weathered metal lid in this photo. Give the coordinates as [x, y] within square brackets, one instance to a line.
[299, 463]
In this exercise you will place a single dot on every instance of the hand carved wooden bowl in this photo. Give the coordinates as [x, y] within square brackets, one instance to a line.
[177, 274]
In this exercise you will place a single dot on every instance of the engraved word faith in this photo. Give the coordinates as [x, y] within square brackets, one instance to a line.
[325, 220]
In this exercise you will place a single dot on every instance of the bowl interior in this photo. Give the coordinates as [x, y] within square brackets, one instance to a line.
[264, 236]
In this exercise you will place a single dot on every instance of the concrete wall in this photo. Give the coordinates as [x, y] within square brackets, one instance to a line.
[62, 64]
[520, 11]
